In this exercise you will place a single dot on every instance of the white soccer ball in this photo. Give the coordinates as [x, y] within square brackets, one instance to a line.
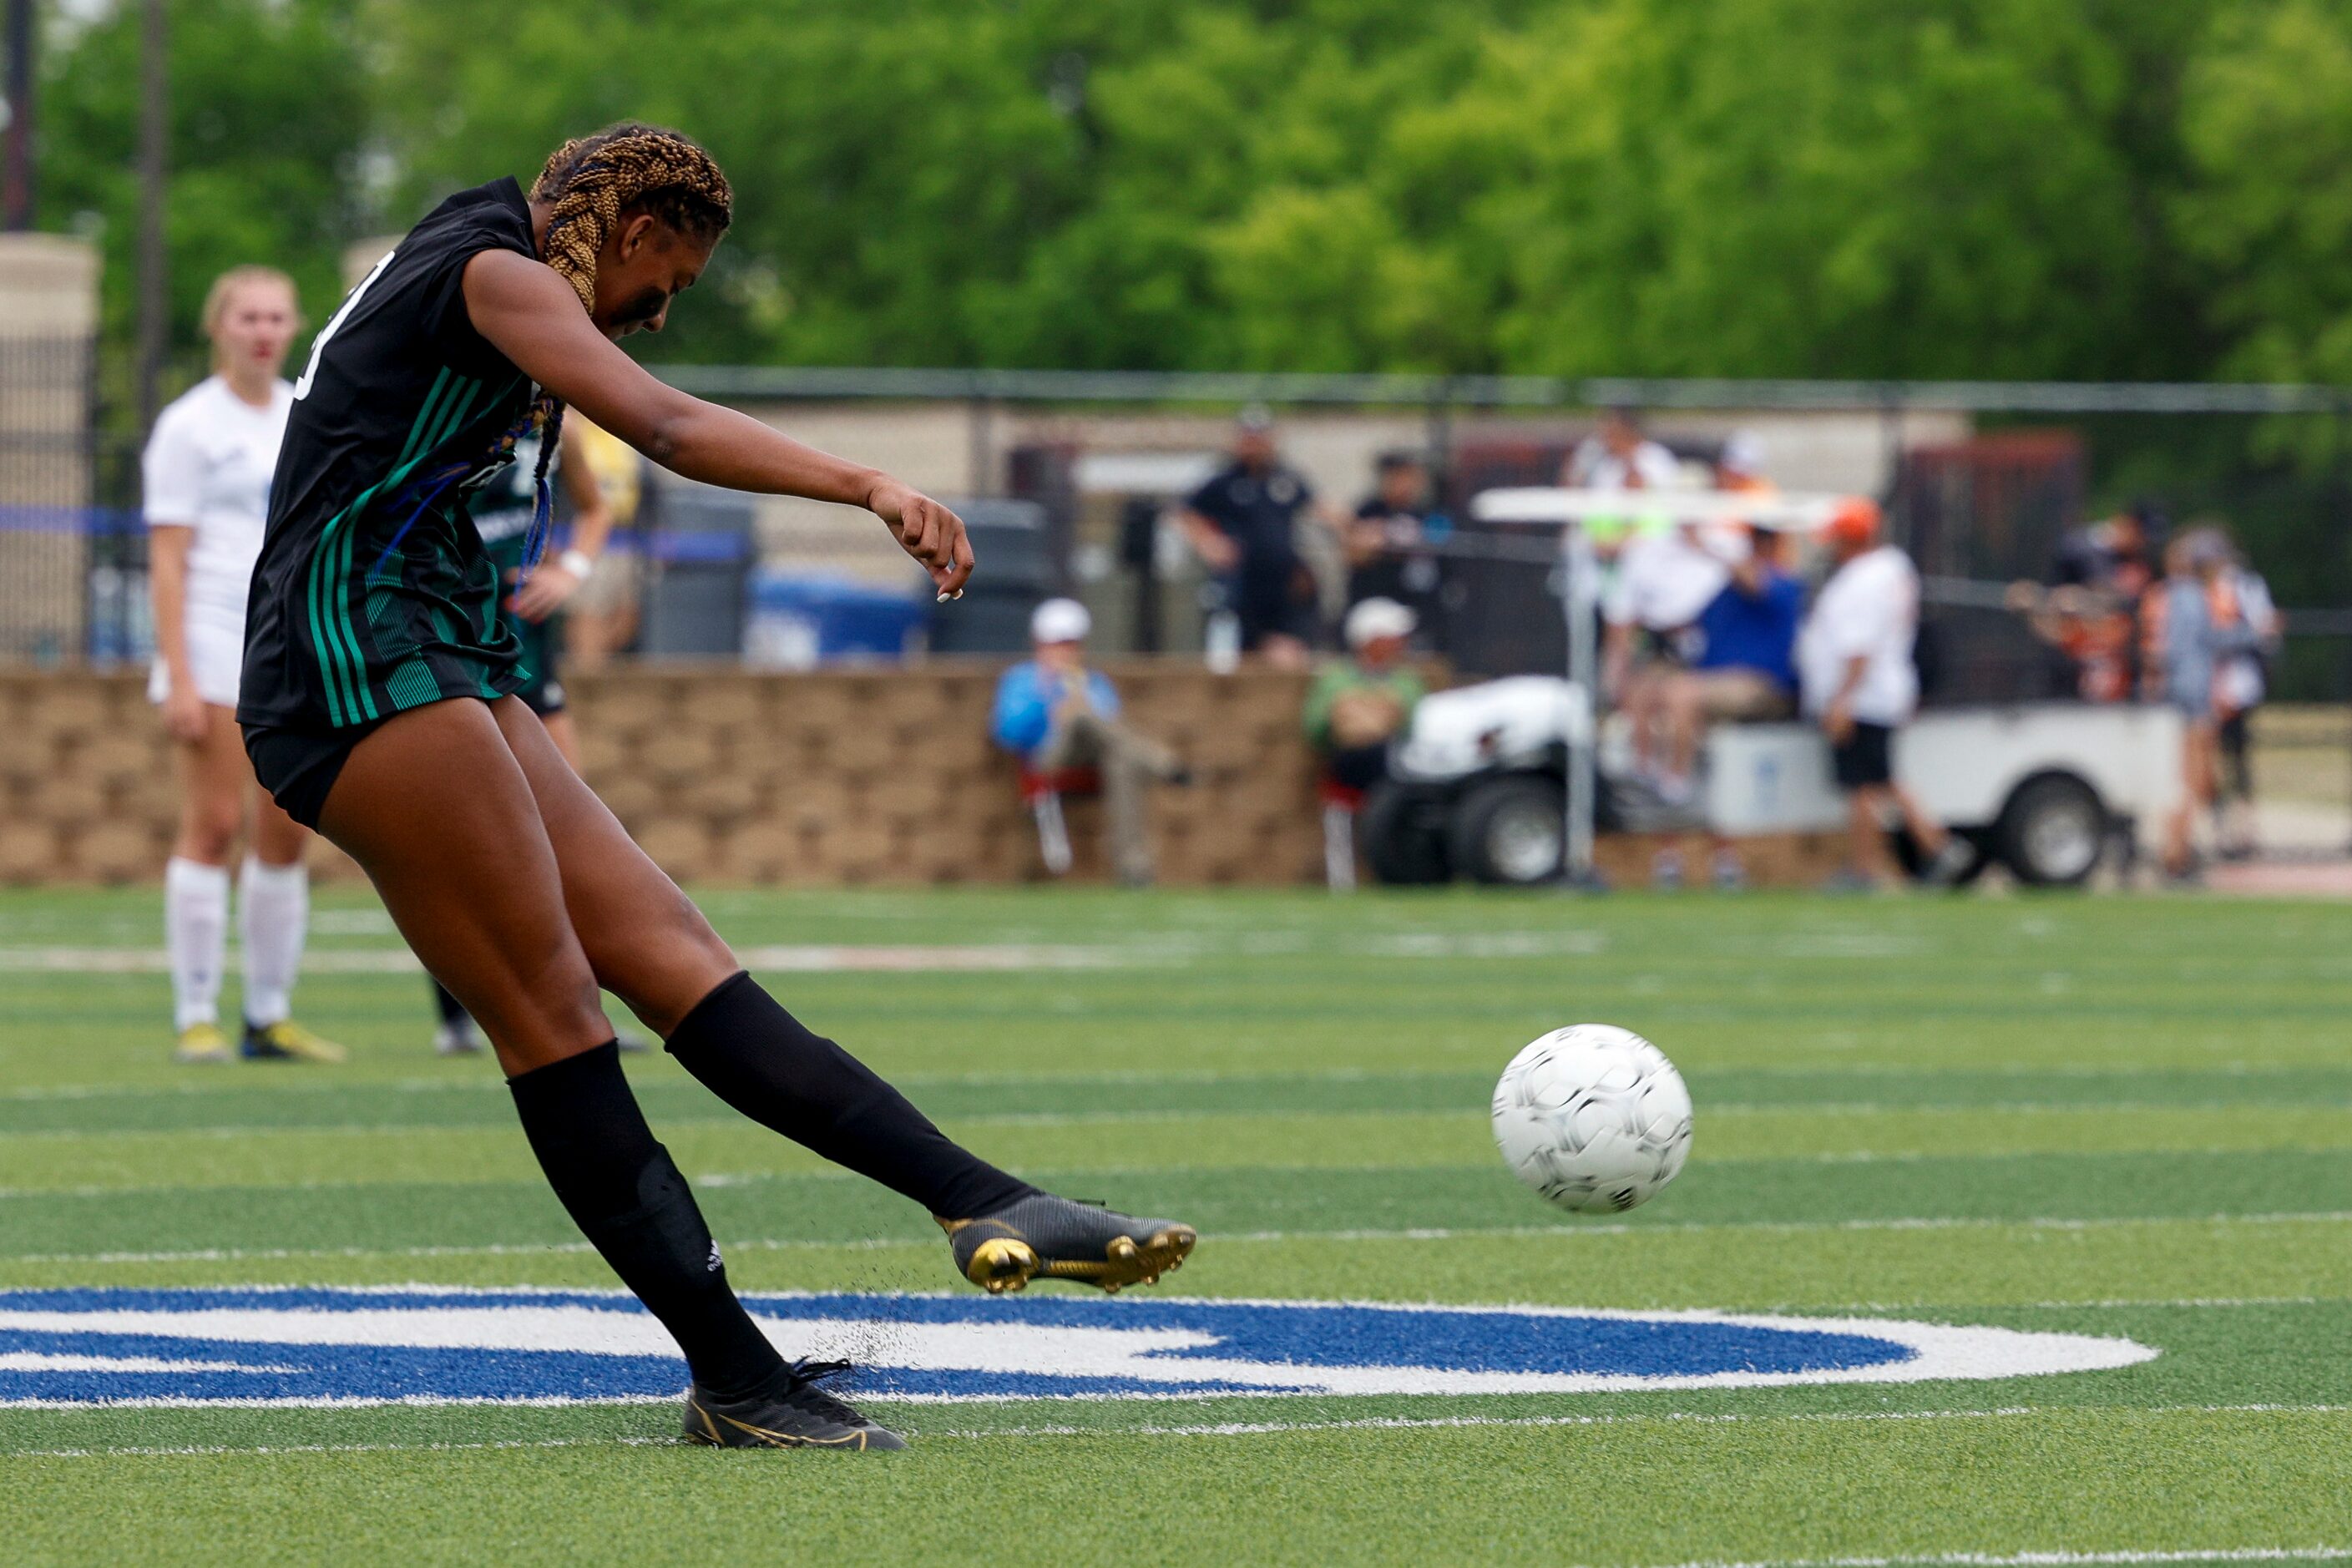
[1593, 1117]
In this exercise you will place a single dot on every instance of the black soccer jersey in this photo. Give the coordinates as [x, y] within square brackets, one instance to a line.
[374, 592]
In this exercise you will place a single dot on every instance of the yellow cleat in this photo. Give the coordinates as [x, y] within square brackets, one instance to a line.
[286, 1040]
[201, 1043]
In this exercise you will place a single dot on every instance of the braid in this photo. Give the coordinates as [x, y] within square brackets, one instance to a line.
[593, 180]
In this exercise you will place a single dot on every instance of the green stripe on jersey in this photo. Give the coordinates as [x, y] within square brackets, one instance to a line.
[411, 685]
[341, 660]
[431, 398]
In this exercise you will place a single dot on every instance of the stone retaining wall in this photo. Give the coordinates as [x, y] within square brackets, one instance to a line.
[820, 779]
[827, 779]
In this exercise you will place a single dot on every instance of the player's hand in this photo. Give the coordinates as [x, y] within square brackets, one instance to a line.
[926, 530]
[185, 718]
[543, 593]
[1218, 553]
[1837, 723]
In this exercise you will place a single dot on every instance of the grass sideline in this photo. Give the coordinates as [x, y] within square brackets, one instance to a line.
[2126, 1117]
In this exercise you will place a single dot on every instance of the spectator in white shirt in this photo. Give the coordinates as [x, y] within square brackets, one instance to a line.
[1620, 458]
[1854, 666]
[1663, 583]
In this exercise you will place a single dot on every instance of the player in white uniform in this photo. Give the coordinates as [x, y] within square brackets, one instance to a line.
[207, 470]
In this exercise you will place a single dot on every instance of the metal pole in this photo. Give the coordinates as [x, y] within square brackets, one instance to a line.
[1438, 439]
[17, 175]
[154, 279]
[1579, 595]
[2343, 460]
[982, 446]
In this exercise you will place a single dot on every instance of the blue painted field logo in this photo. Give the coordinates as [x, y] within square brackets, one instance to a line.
[432, 1345]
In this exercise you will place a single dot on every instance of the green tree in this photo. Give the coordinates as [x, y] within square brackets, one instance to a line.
[894, 164]
[1746, 187]
[2267, 122]
[269, 118]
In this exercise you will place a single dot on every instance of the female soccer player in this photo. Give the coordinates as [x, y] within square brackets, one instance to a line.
[504, 512]
[208, 469]
[379, 705]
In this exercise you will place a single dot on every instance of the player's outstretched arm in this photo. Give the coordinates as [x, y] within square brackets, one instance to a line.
[532, 317]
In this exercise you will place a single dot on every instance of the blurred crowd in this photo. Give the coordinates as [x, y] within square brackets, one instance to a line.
[1244, 523]
[1744, 619]
[1711, 623]
[2178, 618]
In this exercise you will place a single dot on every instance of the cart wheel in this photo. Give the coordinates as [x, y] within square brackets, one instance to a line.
[1510, 831]
[1403, 833]
[2052, 831]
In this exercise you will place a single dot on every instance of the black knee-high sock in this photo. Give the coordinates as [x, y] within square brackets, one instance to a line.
[626, 1195]
[759, 1058]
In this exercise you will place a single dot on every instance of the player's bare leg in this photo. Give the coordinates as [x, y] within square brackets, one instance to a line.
[436, 808]
[565, 734]
[273, 918]
[650, 946]
[212, 775]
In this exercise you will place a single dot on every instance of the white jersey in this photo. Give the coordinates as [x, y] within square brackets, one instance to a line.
[1869, 609]
[1664, 582]
[1593, 467]
[208, 466]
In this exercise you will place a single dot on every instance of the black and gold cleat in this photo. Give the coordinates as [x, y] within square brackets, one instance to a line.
[793, 1411]
[1042, 1237]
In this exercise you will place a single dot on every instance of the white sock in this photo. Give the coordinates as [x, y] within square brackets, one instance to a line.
[273, 916]
[195, 933]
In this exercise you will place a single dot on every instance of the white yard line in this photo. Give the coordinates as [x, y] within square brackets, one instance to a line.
[801, 959]
[721, 1116]
[1164, 951]
[1121, 1081]
[2049, 1559]
[1088, 1118]
[502, 1250]
[205, 1448]
[1394, 1424]
[1675, 1417]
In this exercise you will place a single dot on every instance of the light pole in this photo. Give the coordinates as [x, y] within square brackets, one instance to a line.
[154, 276]
[17, 161]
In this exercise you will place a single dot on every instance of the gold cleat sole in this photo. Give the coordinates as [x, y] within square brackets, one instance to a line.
[1006, 1263]
[704, 1428]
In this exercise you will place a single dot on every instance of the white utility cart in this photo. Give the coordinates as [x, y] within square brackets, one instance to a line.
[1506, 781]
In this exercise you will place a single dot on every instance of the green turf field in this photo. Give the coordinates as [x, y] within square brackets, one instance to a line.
[2120, 1117]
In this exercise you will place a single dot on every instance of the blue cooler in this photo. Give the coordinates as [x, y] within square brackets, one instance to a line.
[800, 620]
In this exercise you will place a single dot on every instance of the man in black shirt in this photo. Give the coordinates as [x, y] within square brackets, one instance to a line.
[1389, 538]
[1243, 524]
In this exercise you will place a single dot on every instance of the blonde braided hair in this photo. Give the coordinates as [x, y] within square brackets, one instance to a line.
[591, 181]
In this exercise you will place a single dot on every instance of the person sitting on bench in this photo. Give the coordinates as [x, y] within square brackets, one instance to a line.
[1358, 704]
[1056, 715]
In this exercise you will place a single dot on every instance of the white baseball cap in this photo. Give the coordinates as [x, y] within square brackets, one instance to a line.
[1743, 453]
[1060, 620]
[1377, 618]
